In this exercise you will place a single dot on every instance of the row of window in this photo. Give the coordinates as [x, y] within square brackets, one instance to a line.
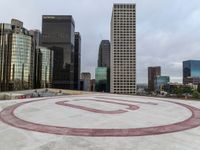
[123, 55]
[124, 19]
[126, 26]
[130, 84]
[126, 46]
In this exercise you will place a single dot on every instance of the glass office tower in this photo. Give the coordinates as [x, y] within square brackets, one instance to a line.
[15, 57]
[5, 31]
[102, 77]
[77, 61]
[20, 62]
[191, 72]
[58, 35]
[46, 67]
[160, 82]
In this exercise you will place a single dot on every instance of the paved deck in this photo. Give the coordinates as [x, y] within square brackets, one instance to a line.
[100, 122]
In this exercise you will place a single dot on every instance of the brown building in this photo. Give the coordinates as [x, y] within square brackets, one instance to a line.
[153, 72]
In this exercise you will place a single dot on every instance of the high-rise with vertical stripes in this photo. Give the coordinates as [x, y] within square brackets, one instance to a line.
[123, 49]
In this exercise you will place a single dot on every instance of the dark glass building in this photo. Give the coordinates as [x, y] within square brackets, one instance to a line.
[77, 61]
[104, 54]
[58, 35]
[153, 72]
[102, 79]
[191, 72]
[35, 59]
[16, 66]
[5, 33]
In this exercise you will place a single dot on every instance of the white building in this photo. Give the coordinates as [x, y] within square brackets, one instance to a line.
[123, 49]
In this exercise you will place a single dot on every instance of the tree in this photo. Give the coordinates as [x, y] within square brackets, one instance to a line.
[196, 95]
[187, 90]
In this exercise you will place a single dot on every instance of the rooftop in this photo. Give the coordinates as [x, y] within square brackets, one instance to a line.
[99, 122]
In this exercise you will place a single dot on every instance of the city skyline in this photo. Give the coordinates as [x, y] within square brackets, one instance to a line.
[159, 31]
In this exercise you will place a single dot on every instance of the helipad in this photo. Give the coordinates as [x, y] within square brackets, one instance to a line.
[100, 122]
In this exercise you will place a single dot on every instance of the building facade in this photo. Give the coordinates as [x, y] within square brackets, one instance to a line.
[46, 75]
[160, 82]
[5, 32]
[16, 70]
[102, 79]
[123, 49]
[102, 72]
[191, 72]
[92, 83]
[58, 35]
[85, 82]
[104, 54]
[36, 36]
[77, 61]
[153, 72]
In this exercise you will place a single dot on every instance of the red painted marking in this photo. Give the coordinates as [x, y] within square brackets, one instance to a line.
[7, 116]
[130, 107]
[131, 101]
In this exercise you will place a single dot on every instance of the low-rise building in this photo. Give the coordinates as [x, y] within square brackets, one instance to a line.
[160, 82]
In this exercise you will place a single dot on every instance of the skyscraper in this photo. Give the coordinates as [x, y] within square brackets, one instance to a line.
[46, 72]
[102, 72]
[104, 54]
[191, 72]
[123, 49]
[35, 59]
[153, 72]
[58, 35]
[15, 57]
[77, 61]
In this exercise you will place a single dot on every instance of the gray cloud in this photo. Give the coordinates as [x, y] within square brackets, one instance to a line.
[167, 31]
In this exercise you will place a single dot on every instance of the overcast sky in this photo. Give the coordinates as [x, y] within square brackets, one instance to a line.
[168, 31]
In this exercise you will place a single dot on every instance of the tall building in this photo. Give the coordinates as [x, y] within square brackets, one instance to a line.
[153, 72]
[5, 33]
[46, 69]
[102, 72]
[15, 57]
[104, 54]
[58, 35]
[191, 72]
[35, 59]
[77, 61]
[123, 49]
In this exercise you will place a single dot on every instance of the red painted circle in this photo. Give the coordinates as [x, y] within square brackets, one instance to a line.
[7, 116]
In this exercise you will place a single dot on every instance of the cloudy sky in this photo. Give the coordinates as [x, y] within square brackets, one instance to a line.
[168, 31]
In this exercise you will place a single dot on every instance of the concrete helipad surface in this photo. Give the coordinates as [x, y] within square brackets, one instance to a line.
[100, 122]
